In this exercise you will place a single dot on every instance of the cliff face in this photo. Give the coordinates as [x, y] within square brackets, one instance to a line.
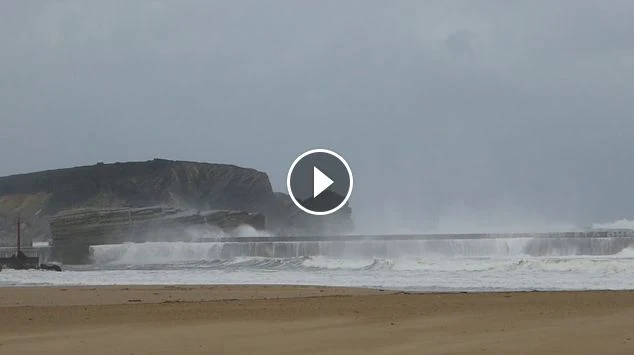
[188, 185]
[139, 184]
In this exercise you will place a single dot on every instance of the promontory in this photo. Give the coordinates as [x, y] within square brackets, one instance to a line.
[74, 200]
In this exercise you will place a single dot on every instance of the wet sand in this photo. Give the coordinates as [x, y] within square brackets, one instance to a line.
[310, 320]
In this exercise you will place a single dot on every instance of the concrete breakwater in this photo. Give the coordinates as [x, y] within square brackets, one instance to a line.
[615, 233]
[607, 242]
[427, 248]
[597, 242]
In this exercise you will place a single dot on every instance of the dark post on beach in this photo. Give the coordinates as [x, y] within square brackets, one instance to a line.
[18, 234]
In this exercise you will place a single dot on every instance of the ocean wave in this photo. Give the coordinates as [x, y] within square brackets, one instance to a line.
[150, 253]
[622, 262]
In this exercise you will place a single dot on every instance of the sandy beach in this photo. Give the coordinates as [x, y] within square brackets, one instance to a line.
[310, 320]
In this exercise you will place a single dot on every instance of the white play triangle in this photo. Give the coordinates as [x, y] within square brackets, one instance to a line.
[320, 182]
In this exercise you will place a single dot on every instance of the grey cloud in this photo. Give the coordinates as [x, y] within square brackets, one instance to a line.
[491, 112]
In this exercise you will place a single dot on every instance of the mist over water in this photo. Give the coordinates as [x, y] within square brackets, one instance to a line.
[620, 224]
[401, 218]
[198, 233]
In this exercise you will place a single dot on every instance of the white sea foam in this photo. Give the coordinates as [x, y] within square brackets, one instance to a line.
[150, 253]
[154, 253]
[458, 274]
[452, 264]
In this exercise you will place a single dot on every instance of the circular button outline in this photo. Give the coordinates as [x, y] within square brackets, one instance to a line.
[290, 190]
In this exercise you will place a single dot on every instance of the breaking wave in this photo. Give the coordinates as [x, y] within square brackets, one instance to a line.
[402, 266]
[334, 254]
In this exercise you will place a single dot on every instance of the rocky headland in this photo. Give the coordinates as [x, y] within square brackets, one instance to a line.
[99, 203]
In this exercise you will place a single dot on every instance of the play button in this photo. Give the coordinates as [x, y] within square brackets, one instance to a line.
[319, 182]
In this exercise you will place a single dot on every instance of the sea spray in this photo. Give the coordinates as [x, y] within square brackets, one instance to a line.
[620, 224]
[186, 252]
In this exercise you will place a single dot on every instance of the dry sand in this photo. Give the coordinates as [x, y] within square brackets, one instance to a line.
[310, 320]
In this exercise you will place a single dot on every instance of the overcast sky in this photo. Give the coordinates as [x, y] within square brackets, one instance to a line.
[452, 114]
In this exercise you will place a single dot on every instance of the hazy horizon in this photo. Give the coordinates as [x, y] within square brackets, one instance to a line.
[452, 114]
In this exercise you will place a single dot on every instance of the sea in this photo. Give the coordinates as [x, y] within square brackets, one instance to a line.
[440, 265]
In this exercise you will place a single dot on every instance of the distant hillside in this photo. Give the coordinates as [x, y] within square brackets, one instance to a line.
[203, 186]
